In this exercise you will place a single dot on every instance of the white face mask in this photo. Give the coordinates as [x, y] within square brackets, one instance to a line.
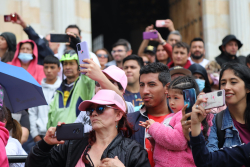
[25, 57]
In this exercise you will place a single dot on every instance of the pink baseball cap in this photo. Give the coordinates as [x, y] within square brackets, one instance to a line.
[117, 74]
[104, 97]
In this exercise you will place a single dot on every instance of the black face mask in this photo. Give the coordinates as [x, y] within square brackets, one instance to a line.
[196, 57]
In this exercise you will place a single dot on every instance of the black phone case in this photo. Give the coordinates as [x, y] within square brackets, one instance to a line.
[59, 38]
[73, 131]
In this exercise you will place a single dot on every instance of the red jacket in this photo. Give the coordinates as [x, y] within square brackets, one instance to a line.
[186, 66]
[4, 136]
[34, 69]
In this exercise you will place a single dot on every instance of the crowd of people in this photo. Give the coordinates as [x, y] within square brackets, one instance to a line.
[131, 105]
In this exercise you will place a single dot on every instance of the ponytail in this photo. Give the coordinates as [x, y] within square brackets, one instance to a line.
[13, 125]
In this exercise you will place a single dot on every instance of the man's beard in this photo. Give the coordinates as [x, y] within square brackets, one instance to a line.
[196, 57]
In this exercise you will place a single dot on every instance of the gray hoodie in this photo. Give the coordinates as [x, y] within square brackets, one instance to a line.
[39, 115]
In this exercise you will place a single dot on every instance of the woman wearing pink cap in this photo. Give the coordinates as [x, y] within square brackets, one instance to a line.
[108, 144]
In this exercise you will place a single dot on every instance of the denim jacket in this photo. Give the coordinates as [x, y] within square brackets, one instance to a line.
[231, 133]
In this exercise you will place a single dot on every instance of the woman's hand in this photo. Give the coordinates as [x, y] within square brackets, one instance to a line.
[186, 124]
[197, 116]
[92, 70]
[147, 123]
[111, 162]
[50, 137]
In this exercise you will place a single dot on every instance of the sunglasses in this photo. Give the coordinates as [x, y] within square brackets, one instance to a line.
[146, 62]
[99, 110]
[104, 55]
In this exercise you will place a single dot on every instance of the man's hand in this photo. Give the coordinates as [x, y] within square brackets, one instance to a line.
[50, 137]
[111, 162]
[169, 25]
[19, 21]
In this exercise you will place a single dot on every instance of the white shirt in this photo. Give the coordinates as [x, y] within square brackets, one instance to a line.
[14, 147]
[203, 63]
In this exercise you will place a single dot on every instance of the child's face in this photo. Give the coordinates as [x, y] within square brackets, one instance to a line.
[176, 100]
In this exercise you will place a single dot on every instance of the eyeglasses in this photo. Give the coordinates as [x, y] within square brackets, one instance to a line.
[119, 51]
[99, 110]
[113, 82]
[104, 55]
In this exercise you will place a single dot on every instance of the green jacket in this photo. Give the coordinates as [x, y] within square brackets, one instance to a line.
[83, 89]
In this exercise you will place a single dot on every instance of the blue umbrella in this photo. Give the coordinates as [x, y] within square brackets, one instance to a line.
[21, 90]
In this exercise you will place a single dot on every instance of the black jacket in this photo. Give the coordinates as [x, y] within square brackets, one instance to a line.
[129, 152]
[228, 156]
[43, 49]
[223, 58]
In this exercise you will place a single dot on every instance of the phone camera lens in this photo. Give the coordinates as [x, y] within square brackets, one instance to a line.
[219, 93]
[77, 131]
[74, 131]
[78, 47]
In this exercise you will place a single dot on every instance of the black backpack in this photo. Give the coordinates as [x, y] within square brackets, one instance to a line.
[220, 133]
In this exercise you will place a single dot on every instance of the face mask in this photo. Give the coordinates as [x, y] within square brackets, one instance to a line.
[201, 83]
[25, 57]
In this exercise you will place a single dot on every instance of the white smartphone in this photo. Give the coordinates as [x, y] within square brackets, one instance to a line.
[214, 99]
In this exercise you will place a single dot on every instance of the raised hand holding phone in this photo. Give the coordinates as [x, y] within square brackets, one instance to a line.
[50, 136]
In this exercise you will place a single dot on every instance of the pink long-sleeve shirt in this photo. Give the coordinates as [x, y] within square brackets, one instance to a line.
[171, 147]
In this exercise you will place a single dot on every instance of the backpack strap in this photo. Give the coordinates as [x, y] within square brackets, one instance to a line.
[220, 133]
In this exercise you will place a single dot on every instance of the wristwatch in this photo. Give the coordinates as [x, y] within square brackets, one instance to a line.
[163, 43]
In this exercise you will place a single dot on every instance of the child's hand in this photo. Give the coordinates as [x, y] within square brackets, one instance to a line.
[186, 124]
[147, 123]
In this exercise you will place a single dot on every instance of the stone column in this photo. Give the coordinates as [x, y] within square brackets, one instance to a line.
[240, 24]
[63, 14]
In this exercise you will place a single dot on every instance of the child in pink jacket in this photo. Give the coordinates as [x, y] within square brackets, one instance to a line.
[171, 147]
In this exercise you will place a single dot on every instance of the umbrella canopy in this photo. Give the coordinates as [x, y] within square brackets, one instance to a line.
[21, 90]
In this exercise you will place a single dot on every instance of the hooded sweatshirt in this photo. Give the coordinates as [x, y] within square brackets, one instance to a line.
[197, 68]
[4, 136]
[39, 115]
[34, 69]
[11, 42]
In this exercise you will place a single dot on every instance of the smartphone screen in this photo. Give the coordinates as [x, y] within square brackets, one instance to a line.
[61, 38]
[74, 131]
[189, 99]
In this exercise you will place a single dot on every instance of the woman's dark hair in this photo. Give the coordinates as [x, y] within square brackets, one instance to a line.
[3, 114]
[187, 82]
[197, 68]
[243, 72]
[110, 58]
[13, 125]
[156, 60]
[157, 67]
[124, 127]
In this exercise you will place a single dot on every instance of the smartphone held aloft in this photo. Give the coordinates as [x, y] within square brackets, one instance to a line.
[214, 99]
[74, 131]
[83, 52]
[150, 35]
